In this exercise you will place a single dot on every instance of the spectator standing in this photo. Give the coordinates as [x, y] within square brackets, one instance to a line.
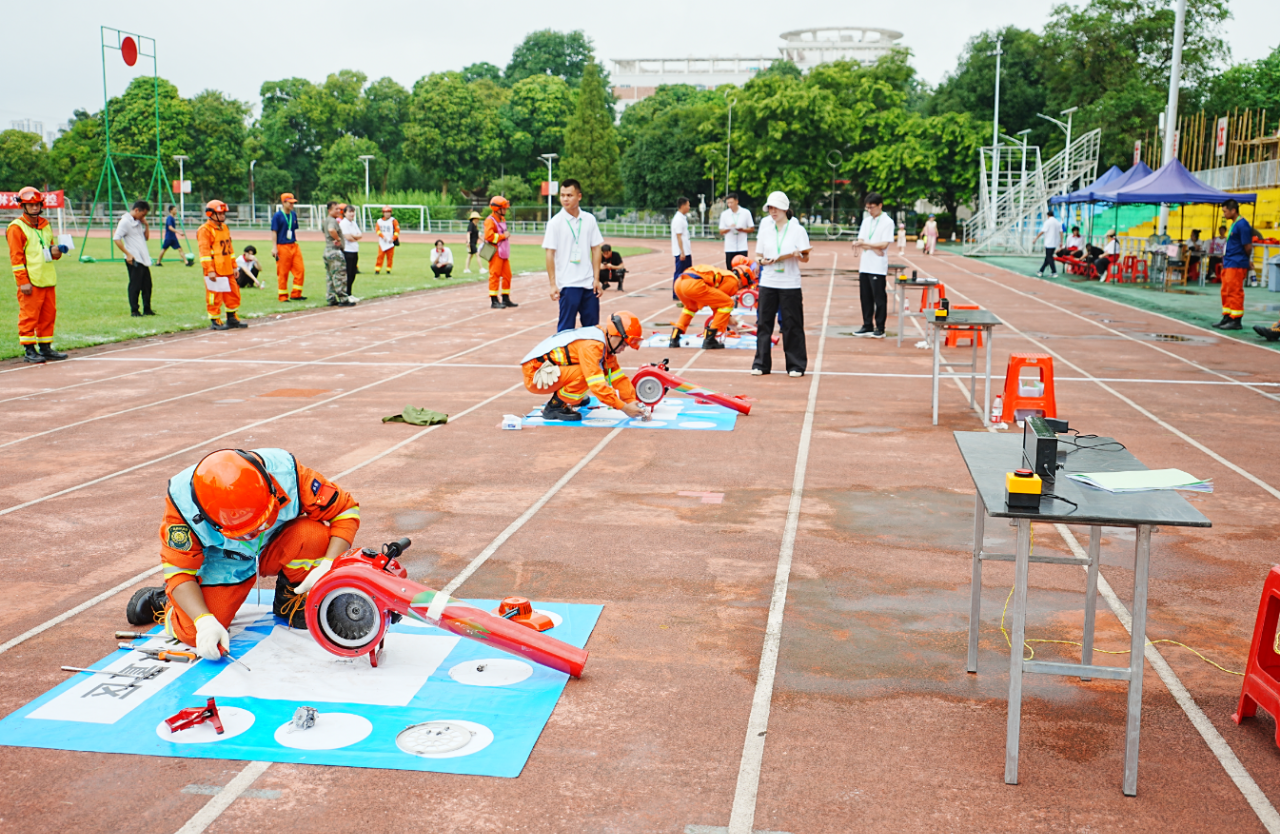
[930, 235]
[572, 242]
[131, 236]
[874, 237]
[351, 233]
[442, 260]
[32, 251]
[611, 268]
[1051, 231]
[335, 264]
[681, 245]
[473, 239]
[388, 239]
[495, 232]
[1237, 260]
[247, 268]
[781, 245]
[736, 224]
[284, 249]
[218, 263]
[170, 240]
[902, 239]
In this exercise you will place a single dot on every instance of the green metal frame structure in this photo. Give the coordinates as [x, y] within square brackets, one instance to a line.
[113, 39]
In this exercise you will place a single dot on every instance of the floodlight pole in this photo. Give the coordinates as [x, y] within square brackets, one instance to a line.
[548, 158]
[995, 134]
[365, 158]
[182, 188]
[728, 144]
[1171, 112]
[1066, 155]
[253, 201]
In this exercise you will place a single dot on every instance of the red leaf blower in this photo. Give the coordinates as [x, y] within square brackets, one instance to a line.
[653, 381]
[350, 607]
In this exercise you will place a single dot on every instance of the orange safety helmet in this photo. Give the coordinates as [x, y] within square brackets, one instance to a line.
[625, 326]
[235, 494]
[739, 260]
[747, 275]
[499, 202]
[386, 208]
[214, 205]
[30, 194]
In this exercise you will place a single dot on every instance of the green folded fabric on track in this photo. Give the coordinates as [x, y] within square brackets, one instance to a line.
[417, 416]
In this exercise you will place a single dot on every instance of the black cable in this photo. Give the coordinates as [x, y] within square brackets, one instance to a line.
[1074, 505]
[1104, 446]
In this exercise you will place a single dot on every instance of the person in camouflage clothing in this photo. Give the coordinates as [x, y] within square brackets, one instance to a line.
[335, 264]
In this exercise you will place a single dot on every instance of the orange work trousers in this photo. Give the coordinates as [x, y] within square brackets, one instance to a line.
[301, 539]
[695, 294]
[571, 386]
[499, 276]
[389, 255]
[1233, 292]
[36, 315]
[215, 301]
[289, 259]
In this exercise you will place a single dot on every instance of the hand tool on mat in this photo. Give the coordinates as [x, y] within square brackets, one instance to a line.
[229, 656]
[161, 654]
[134, 635]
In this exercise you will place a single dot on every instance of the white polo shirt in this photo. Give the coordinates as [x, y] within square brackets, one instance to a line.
[680, 226]
[770, 243]
[131, 233]
[741, 219]
[1052, 231]
[573, 238]
[875, 230]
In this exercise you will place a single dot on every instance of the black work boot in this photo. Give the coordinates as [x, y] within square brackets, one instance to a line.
[710, 342]
[288, 605]
[556, 409]
[507, 302]
[145, 606]
[32, 355]
[1268, 333]
[676, 333]
[1232, 324]
[47, 351]
[495, 303]
[233, 321]
[214, 324]
[1226, 319]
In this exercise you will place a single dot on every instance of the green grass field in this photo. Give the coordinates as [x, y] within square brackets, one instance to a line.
[93, 302]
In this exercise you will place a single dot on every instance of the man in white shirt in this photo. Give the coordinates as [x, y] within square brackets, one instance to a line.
[681, 245]
[247, 268]
[735, 224]
[874, 237]
[573, 242]
[131, 235]
[1051, 231]
[441, 260]
[782, 245]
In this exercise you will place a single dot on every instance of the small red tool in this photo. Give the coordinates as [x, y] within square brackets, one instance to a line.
[191, 716]
[520, 610]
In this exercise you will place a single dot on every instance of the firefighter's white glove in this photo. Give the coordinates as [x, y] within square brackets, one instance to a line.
[547, 375]
[210, 634]
[321, 568]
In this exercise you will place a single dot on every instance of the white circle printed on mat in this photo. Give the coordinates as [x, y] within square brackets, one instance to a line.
[649, 424]
[491, 671]
[444, 739]
[332, 730]
[697, 424]
[599, 422]
[234, 722]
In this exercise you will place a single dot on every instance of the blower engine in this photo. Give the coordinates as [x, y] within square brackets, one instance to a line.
[350, 607]
[653, 381]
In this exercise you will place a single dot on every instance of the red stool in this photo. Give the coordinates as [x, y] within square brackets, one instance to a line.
[1262, 674]
[1115, 273]
[1126, 268]
[1140, 270]
[960, 331]
[924, 297]
[1046, 403]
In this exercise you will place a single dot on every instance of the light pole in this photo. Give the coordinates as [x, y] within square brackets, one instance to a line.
[548, 158]
[182, 188]
[1022, 141]
[365, 159]
[835, 165]
[1171, 112]
[728, 143]
[1066, 155]
[995, 133]
[253, 201]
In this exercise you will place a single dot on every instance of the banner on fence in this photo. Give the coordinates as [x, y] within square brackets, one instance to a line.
[52, 199]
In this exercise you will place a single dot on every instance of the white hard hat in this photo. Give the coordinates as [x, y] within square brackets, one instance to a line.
[778, 200]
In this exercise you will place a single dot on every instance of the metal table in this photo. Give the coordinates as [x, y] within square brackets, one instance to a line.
[988, 457]
[981, 321]
[900, 298]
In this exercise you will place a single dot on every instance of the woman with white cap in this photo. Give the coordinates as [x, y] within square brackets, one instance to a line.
[781, 245]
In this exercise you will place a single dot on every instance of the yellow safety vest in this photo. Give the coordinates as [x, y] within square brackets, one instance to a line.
[40, 272]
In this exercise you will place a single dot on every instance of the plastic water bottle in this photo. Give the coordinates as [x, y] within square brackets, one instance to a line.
[997, 408]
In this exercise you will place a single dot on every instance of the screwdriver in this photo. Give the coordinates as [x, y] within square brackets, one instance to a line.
[132, 635]
[229, 656]
[161, 654]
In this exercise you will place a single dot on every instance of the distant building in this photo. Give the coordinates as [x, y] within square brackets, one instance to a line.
[28, 125]
[636, 78]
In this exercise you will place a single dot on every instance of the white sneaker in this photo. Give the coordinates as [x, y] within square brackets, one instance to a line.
[795, 374]
[466, 272]
[757, 372]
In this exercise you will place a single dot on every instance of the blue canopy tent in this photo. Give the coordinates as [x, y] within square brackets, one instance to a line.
[1085, 195]
[1173, 183]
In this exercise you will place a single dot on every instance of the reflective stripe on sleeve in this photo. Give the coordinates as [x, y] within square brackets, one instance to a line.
[354, 512]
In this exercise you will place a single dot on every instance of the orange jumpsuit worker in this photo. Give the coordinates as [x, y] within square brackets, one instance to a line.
[710, 286]
[572, 362]
[1237, 260]
[32, 250]
[218, 261]
[495, 232]
[388, 240]
[232, 517]
[284, 225]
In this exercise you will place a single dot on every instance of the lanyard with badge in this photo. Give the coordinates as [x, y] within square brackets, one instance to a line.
[779, 238]
[575, 251]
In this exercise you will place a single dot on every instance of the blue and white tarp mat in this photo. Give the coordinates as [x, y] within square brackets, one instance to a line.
[671, 412]
[746, 341]
[436, 702]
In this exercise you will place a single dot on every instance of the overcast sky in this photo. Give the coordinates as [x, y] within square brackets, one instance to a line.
[235, 45]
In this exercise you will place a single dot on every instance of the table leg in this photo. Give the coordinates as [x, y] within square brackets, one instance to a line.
[1137, 649]
[973, 367]
[1091, 596]
[936, 342]
[900, 292]
[986, 397]
[975, 583]
[1021, 571]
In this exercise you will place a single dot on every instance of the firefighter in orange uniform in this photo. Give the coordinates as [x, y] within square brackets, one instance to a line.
[218, 261]
[495, 232]
[32, 250]
[388, 240]
[232, 517]
[710, 286]
[572, 362]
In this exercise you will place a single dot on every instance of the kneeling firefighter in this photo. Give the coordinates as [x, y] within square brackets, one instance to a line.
[232, 517]
[710, 286]
[572, 362]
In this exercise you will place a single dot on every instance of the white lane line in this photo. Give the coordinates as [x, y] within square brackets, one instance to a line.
[84, 606]
[743, 814]
[222, 801]
[1257, 800]
[91, 381]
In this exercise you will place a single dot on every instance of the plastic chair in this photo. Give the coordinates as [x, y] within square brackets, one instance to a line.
[1115, 274]
[1014, 400]
[1140, 270]
[1126, 268]
[962, 331]
[924, 297]
[1261, 686]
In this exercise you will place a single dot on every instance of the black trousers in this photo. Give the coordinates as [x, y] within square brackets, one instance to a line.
[875, 300]
[1049, 261]
[245, 279]
[790, 303]
[729, 256]
[352, 259]
[139, 285]
[616, 276]
[446, 270]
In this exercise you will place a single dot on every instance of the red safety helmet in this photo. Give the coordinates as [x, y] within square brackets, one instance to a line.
[499, 202]
[625, 326]
[214, 205]
[386, 208]
[30, 194]
[235, 494]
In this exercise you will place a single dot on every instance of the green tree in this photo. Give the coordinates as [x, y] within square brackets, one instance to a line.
[483, 69]
[383, 108]
[547, 52]
[216, 145]
[1023, 92]
[533, 123]
[664, 159]
[270, 182]
[300, 119]
[950, 175]
[591, 143]
[24, 160]
[452, 134]
[76, 156]
[1251, 85]
[133, 131]
[785, 69]
[514, 188]
[342, 170]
